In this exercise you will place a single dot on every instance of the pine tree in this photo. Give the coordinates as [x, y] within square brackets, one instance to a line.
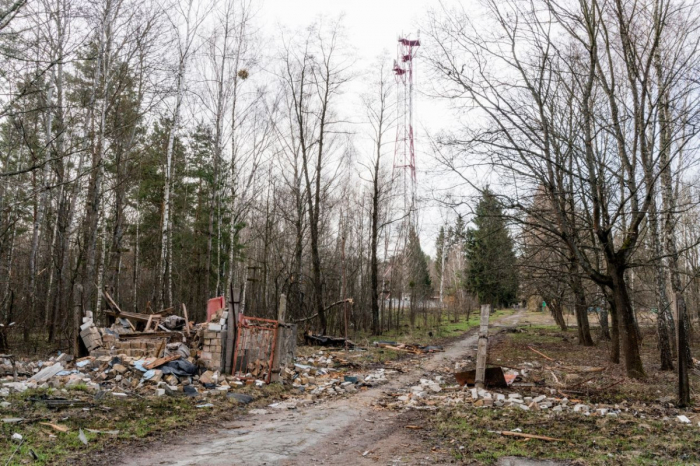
[490, 271]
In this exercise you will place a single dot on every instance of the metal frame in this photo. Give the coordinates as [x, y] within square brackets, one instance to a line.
[249, 329]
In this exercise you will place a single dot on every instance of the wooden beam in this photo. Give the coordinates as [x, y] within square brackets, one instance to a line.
[160, 361]
[187, 319]
[133, 315]
[482, 349]
[111, 302]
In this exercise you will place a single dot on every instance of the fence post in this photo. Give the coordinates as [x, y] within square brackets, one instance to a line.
[481, 351]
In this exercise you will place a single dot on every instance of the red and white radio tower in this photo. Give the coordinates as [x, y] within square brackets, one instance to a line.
[405, 155]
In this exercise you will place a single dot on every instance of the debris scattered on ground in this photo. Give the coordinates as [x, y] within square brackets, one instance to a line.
[82, 437]
[318, 375]
[430, 393]
[408, 348]
[326, 340]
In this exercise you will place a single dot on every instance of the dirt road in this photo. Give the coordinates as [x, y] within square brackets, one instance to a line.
[347, 431]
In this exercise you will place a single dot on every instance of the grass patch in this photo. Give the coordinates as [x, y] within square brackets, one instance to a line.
[588, 440]
[135, 418]
[645, 439]
[434, 334]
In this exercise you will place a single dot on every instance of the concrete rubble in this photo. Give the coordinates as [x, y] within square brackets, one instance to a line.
[318, 375]
[432, 393]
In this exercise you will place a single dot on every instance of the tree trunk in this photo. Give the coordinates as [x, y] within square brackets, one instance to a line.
[615, 326]
[580, 305]
[604, 325]
[557, 314]
[374, 264]
[663, 308]
[628, 330]
[94, 198]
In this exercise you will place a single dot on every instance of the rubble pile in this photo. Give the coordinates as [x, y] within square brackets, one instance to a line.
[125, 371]
[432, 393]
[318, 375]
[143, 354]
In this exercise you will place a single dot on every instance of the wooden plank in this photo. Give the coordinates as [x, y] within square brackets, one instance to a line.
[160, 361]
[187, 319]
[149, 335]
[133, 315]
[111, 302]
[482, 349]
[58, 427]
[148, 324]
[161, 346]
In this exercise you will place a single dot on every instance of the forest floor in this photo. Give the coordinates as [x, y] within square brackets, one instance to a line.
[370, 427]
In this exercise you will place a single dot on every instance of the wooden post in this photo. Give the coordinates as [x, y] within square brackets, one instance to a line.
[231, 321]
[79, 348]
[282, 311]
[281, 336]
[482, 349]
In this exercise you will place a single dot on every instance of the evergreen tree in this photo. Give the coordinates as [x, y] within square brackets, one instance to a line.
[419, 282]
[441, 247]
[490, 271]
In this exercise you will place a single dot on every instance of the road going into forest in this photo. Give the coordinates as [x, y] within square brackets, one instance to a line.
[337, 431]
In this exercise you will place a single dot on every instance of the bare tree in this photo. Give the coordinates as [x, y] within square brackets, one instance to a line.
[560, 118]
[314, 75]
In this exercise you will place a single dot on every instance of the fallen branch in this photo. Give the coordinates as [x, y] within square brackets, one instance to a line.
[610, 386]
[528, 436]
[541, 354]
[348, 300]
[585, 381]
[556, 380]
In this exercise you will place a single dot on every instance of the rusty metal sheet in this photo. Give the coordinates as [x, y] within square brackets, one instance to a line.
[254, 352]
[494, 377]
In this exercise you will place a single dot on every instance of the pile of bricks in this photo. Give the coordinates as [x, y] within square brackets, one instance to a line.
[136, 348]
[212, 348]
[89, 333]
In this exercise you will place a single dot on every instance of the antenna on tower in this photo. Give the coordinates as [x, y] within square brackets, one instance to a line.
[404, 154]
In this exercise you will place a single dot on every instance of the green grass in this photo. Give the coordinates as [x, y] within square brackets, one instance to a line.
[435, 333]
[435, 330]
